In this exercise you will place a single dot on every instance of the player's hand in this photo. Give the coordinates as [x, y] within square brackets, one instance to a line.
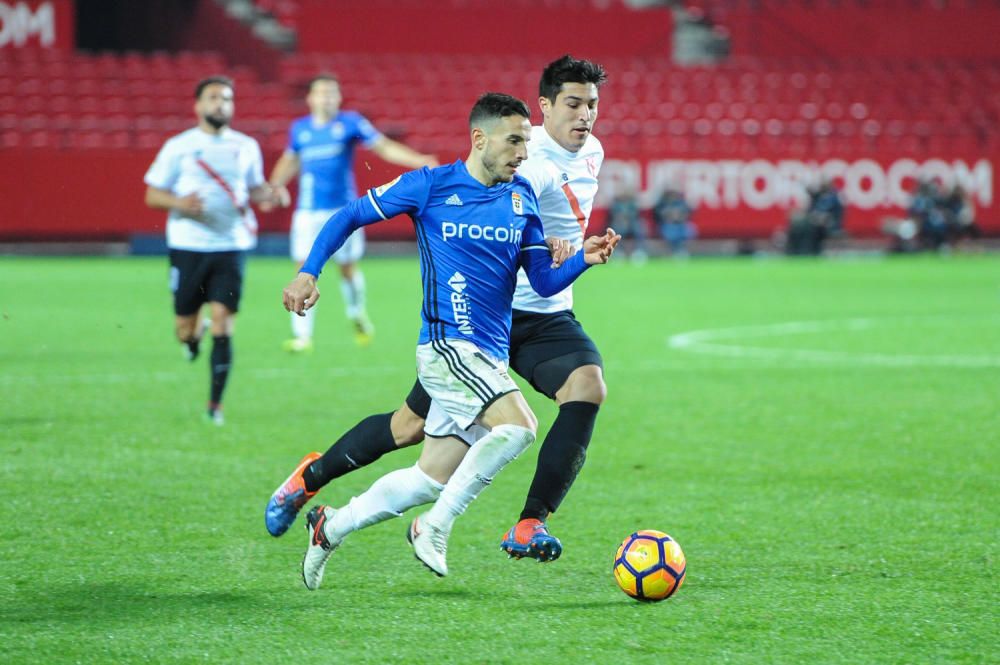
[560, 250]
[598, 249]
[281, 195]
[300, 294]
[431, 161]
[190, 205]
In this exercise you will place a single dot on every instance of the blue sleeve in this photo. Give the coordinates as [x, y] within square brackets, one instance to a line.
[537, 262]
[344, 222]
[366, 132]
[406, 194]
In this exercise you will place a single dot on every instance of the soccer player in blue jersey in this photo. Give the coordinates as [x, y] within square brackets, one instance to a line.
[549, 346]
[321, 150]
[477, 223]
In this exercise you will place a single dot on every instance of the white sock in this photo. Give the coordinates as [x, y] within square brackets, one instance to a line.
[485, 459]
[388, 497]
[353, 291]
[302, 326]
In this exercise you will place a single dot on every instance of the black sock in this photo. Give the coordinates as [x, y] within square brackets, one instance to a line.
[192, 345]
[560, 458]
[222, 358]
[360, 446]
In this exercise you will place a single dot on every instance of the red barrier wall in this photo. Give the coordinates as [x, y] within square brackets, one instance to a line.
[904, 33]
[98, 194]
[338, 27]
[36, 24]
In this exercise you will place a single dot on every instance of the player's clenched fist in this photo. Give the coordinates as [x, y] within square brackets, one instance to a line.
[300, 294]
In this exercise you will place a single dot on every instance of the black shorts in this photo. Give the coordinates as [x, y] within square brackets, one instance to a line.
[200, 277]
[544, 350]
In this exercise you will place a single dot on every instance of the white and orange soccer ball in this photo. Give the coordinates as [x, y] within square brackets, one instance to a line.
[650, 566]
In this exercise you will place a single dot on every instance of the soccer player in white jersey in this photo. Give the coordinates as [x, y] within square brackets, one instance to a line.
[206, 177]
[476, 223]
[321, 150]
[549, 347]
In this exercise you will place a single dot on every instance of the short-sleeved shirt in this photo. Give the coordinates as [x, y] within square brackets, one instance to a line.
[221, 169]
[565, 184]
[326, 156]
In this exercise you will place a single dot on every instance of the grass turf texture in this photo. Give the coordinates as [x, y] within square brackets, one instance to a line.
[833, 508]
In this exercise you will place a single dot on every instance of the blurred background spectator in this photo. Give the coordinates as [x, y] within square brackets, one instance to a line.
[672, 216]
[625, 218]
[822, 218]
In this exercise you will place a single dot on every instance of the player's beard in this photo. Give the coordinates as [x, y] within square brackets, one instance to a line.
[216, 121]
[491, 165]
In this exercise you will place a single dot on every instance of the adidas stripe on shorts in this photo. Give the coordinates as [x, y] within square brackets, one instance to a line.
[461, 381]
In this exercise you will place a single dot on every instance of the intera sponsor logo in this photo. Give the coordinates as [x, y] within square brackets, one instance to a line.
[460, 304]
[451, 230]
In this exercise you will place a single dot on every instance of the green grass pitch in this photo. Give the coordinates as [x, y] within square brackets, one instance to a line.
[822, 438]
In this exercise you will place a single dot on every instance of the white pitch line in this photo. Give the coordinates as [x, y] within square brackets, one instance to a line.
[708, 342]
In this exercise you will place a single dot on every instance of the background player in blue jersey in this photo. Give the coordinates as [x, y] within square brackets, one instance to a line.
[321, 150]
[476, 224]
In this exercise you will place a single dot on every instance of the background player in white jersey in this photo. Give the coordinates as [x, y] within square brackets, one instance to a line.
[321, 150]
[476, 223]
[206, 178]
[549, 347]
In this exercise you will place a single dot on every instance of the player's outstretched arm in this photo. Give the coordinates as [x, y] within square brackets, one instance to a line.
[300, 294]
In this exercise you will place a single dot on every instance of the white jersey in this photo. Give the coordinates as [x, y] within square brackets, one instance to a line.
[565, 183]
[221, 170]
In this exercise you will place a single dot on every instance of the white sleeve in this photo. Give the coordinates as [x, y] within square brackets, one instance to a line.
[255, 174]
[536, 172]
[163, 173]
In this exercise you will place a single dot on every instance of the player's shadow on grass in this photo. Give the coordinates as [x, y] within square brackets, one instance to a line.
[106, 602]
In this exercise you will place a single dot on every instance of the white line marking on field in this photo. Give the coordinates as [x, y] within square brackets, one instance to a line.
[716, 342]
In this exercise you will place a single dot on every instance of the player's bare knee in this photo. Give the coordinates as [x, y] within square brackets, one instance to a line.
[526, 419]
[185, 328]
[585, 384]
[407, 427]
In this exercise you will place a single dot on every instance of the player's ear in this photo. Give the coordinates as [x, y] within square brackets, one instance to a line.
[544, 104]
[478, 138]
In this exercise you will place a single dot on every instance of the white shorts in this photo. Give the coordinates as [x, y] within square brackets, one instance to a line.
[306, 225]
[461, 381]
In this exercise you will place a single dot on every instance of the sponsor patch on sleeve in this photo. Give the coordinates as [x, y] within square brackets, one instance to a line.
[382, 189]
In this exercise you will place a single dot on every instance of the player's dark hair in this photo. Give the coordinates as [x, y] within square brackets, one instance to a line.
[322, 76]
[494, 105]
[568, 69]
[213, 80]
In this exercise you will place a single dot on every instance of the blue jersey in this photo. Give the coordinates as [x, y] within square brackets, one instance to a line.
[326, 154]
[472, 240]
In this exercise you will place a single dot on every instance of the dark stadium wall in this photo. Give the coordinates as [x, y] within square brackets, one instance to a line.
[151, 25]
[172, 25]
[98, 194]
[338, 26]
[857, 32]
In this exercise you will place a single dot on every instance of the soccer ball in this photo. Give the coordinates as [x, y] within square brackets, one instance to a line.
[650, 566]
